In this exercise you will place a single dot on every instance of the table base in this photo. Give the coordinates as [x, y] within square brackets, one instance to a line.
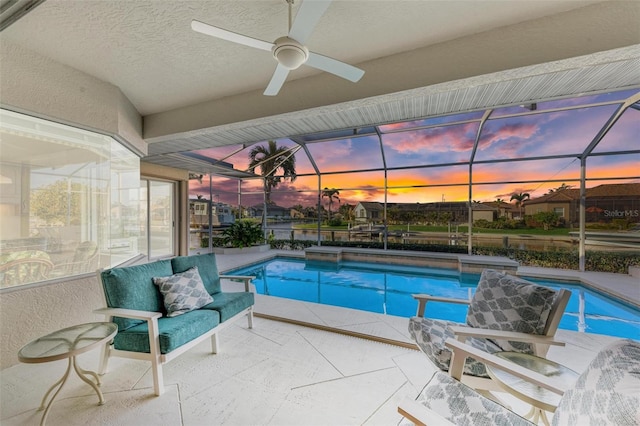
[82, 374]
[536, 415]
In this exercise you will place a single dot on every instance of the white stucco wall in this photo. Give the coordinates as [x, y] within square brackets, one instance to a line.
[36, 85]
[28, 313]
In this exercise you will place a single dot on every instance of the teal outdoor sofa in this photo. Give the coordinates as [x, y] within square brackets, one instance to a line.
[149, 328]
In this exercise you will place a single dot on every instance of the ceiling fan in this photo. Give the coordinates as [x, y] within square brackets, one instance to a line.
[290, 51]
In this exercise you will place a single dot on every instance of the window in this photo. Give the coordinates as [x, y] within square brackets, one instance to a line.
[559, 211]
[68, 200]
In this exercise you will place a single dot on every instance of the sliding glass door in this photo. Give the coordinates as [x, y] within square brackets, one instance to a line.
[157, 208]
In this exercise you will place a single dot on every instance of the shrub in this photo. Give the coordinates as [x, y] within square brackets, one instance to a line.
[595, 261]
[335, 221]
[291, 244]
[482, 223]
[215, 242]
[243, 234]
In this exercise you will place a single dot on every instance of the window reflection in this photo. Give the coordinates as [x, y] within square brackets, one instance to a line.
[69, 200]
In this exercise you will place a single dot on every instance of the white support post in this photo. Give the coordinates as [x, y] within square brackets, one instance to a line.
[250, 317]
[215, 343]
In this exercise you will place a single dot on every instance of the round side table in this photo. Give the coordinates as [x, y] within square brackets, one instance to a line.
[67, 344]
[541, 399]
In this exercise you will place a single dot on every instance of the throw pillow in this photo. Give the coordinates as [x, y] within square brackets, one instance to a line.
[508, 303]
[183, 292]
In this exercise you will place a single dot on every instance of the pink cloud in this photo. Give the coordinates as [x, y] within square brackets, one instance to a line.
[441, 139]
[520, 131]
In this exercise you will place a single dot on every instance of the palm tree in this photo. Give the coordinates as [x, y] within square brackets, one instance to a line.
[269, 159]
[330, 194]
[520, 197]
[560, 188]
[348, 211]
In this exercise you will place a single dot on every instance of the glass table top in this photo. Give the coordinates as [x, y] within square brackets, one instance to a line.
[67, 342]
[527, 391]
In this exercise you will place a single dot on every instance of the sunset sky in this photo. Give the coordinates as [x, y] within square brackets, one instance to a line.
[441, 155]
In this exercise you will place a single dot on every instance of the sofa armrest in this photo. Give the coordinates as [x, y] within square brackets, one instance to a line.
[154, 337]
[244, 278]
[463, 332]
[424, 298]
[128, 313]
[421, 415]
[461, 351]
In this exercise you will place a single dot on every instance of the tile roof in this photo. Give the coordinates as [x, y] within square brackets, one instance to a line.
[604, 190]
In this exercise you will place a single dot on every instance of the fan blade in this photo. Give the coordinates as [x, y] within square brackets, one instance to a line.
[308, 15]
[341, 69]
[279, 76]
[207, 29]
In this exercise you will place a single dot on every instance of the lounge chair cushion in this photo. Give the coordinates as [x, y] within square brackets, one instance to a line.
[463, 406]
[207, 268]
[607, 392]
[132, 288]
[183, 292]
[430, 335]
[174, 332]
[507, 303]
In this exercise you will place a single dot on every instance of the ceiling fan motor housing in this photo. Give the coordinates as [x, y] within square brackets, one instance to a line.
[289, 53]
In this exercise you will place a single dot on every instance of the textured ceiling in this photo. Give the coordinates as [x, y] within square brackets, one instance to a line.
[147, 48]
[421, 58]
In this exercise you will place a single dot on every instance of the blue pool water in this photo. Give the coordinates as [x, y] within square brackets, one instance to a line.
[387, 289]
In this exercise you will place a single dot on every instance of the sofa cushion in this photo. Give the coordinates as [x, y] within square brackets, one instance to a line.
[207, 267]
[183, 292]
[174, 332]
[230, 303]
[507, 303]
[132, 288]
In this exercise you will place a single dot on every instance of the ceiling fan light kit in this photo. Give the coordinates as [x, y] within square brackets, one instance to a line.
[289, 51]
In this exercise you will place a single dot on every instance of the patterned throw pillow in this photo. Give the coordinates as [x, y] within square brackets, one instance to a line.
[508, 303]
[183, 292]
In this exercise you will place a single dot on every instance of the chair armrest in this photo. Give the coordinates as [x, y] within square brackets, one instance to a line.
[461, 351]
[245, 278]
[463, 332]
[424, 298]
[128, 313]
[421, 415]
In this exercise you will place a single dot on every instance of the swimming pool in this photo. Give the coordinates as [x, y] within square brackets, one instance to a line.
[387, 289]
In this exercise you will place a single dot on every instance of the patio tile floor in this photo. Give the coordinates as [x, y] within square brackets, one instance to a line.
[278, 373]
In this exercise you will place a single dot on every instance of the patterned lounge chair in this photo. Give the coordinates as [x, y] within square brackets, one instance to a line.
[505, 314]
[606, 393]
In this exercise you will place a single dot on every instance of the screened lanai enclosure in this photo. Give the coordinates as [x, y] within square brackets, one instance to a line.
[555, 176]
[540, 182]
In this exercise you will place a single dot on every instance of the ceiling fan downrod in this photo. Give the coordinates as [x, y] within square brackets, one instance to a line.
[290, 3]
